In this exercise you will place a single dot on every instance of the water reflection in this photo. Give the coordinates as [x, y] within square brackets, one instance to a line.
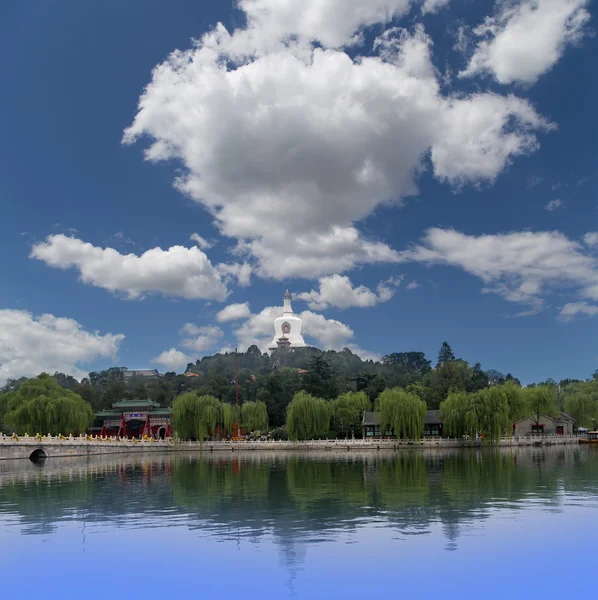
[295, 500]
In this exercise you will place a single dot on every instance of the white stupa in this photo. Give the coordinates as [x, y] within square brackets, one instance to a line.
[287, 329]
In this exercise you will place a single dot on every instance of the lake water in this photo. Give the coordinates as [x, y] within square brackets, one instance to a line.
[517, 523]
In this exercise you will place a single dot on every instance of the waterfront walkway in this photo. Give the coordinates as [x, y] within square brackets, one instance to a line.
[40, 447]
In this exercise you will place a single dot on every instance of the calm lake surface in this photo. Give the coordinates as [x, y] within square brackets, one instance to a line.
[518, 523]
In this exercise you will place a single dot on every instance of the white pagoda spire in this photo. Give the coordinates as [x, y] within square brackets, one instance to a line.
[288, 309]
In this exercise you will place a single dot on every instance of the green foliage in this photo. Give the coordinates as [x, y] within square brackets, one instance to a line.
[308, 417]
[254, 416]
[445, 354]
[401, 411]
[459, 415]
[490, 411]
[41, 405]
[492, 408]
[195, 417]
[581, 402]
[541, 400]
[451, 376]
[348, 409]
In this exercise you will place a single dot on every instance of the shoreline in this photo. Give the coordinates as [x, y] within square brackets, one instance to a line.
[47, 447]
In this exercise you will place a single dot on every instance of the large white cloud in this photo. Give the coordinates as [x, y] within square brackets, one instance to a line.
[178, 271]
[338, 291]
[30, 345]
[327, 333]
[332, 23]
[288, 148]
[234, 312]
[521, 266]
[200, 339]
[526, 38]
[173, 360]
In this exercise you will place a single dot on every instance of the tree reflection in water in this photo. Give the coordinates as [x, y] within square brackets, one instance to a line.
[294, 499]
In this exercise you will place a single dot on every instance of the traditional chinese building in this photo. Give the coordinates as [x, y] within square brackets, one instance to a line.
[134, 419]
[370, 425]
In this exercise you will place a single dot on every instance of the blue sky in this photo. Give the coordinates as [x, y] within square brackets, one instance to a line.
[433, 180]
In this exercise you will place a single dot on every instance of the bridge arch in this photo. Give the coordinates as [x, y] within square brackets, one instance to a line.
[38, 454]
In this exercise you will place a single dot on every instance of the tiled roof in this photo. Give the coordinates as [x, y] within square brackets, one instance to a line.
[142, 373]
[122, 404]
[373, 418]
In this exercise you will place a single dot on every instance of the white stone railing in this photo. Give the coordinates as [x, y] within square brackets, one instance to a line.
[80, 439]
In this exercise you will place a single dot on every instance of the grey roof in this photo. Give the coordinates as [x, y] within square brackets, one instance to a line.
[373, 418]
[142, 373]
[432, 417]
[135, 404]
[562, 416]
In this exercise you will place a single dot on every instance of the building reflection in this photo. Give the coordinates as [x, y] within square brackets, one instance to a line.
[296, 500]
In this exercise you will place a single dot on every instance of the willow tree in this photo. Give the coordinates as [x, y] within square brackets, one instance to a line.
[308, 417]
[581, 402]
[40, 405]
[254, 416]
[195, 417]
[459, 415]
[231, 415]
[348, 409]
[541, 400]
[492, 407]
[402, 411]
[516, 399]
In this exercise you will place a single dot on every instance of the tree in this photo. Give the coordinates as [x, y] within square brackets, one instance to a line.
[452, 376]
[412, 361]
[581, 402]
[195, 417]
[495, 377]
[492, 408]
[459, 415]
[541, 400]
[41, 405]
[479, 379]
[307, 417]
[347, 411]
[403, 412]
[254, 416]
[445, 355]
[66, 381]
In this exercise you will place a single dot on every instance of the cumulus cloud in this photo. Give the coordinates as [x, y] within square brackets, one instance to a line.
[413, 285]
[573, 309]
[590, 239]
[234, 312]
[178, 271]
[290, 144]
[526, 38]
[326, 333]
[553, 205]
[520, 266]
[200, 339]
[332, 23]
[338, 291]
[433, 6]
[30, 345]
[240, 271]
[201, 242]
[173, 360]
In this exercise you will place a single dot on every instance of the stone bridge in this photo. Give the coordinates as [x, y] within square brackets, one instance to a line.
[42, 447]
